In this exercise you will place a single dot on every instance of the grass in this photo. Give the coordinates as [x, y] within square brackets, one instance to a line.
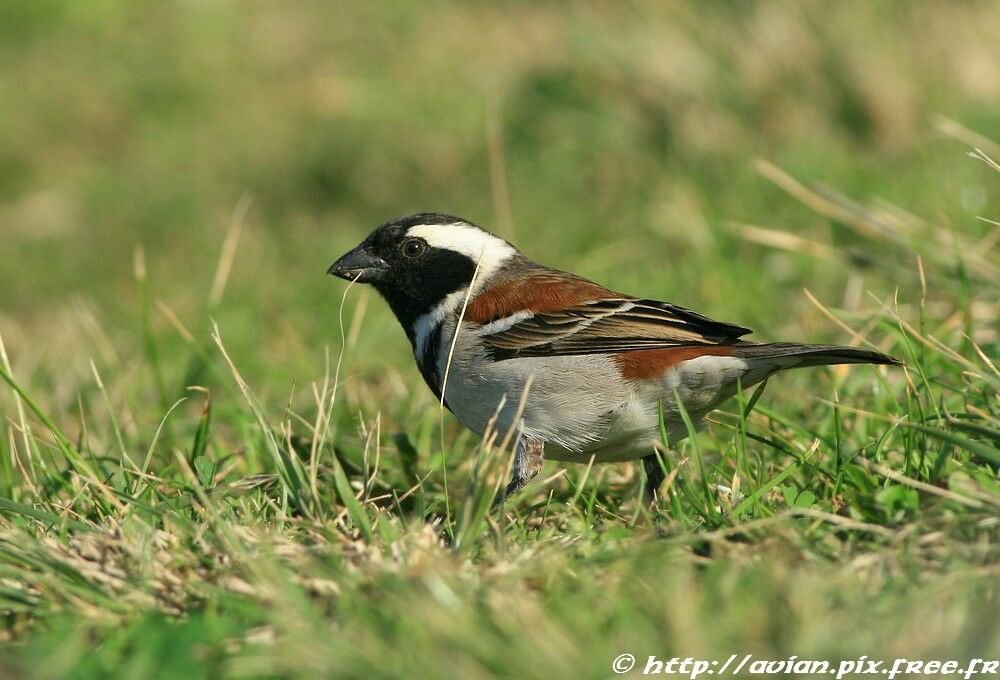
[215, 463]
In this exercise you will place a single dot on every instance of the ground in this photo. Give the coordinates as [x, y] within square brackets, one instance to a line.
[214, 463]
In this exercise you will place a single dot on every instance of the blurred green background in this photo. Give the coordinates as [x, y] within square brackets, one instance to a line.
[721, 155]
[614, 139]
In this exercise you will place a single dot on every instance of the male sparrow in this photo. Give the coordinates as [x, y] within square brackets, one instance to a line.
[571, 369]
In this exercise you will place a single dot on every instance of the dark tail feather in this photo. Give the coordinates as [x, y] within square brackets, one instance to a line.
[812, 355]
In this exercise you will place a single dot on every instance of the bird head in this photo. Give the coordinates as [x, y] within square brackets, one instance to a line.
[416, 262]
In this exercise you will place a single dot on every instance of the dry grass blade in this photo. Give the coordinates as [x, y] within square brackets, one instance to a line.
[900, 478]
[228, 254]
[855, 336]
[956, 130]
[785, 241]
[981, 155]
[881, 226]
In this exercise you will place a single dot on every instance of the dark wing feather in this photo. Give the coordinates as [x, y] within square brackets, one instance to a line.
[610, 326]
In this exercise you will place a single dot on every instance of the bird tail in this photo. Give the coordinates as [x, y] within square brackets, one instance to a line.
[790, 355]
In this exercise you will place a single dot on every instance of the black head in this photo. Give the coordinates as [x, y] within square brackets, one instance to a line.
[417, 261]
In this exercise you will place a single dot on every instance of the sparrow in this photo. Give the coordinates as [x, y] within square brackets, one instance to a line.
[573, 371]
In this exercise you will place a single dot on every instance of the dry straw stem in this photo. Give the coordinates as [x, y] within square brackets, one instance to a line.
[458, 324]
[498, 175]
[175, 321]
[981, 155]
[893, 226]
[781, 518]
[489, 437]
[929, 341]
[780, 239]
[887, 472]
[68, 449]
[828, 206]
[955, 130]
[24, 426]
[324, 416]
[228, 254]
[855, 336]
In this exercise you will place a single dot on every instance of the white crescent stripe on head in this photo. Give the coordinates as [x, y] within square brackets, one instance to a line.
[425, 324]
[481, 247]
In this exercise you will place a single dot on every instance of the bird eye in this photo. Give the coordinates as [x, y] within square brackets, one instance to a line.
[413, 247]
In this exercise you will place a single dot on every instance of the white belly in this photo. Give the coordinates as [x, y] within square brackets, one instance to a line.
[579, 405]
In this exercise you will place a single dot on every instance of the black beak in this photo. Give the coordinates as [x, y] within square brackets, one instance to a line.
[359, 265]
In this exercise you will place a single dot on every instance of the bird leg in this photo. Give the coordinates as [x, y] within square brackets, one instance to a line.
[528, 458]
[654, 468]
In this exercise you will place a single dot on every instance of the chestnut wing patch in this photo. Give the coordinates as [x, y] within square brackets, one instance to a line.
[611, 326]
[547, 292]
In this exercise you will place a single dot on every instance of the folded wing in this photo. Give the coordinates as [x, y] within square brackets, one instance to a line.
[611, 325]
